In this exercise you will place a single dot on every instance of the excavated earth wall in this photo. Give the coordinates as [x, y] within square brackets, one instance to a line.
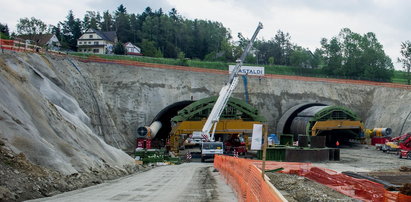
[136, 94]
[69, 115]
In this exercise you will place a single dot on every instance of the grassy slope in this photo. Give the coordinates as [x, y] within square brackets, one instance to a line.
[399, 76]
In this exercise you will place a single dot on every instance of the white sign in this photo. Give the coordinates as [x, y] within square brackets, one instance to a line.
[256, 140]
[197, 135]
[258, 71]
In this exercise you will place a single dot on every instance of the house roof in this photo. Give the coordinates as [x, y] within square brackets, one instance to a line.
[129, 43]
[40, 39]
[108, 36]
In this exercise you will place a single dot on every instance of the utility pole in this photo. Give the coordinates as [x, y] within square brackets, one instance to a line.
[265, 130]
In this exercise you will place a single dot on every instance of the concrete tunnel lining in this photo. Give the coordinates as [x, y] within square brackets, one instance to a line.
[165, 115]
[284, 124]
[300, 119]
[186, 109]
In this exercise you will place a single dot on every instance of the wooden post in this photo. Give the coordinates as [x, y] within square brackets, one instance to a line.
[265, 130]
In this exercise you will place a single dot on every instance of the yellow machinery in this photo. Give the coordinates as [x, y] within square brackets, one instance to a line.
[238, 117]
[224, 126]
[335, 125]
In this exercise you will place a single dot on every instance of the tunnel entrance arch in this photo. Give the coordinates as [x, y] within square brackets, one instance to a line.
[284, 124]
[165, 115]
[316, 119]
[234, 127]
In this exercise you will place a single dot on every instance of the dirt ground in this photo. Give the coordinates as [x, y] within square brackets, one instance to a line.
[183, 183]
[362, 159]
[296, 188]
[365, 158]
[21, 180]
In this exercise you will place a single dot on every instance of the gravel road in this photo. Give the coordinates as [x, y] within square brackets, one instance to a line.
[185, 182]
[365, 158]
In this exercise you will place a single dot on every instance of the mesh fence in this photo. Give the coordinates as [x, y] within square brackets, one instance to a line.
[245, 178]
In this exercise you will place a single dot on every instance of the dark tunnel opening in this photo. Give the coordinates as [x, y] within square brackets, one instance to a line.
[164, 116]
[342, 136]
[297, 119]
[284, 124]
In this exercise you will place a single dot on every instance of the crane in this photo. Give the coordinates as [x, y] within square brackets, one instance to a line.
[226, 92]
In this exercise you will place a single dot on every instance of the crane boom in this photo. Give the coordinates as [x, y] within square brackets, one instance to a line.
[226, 92]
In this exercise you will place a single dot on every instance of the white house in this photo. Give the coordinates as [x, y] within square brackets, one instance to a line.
[44, 40]
[95, 41]
[132, 49]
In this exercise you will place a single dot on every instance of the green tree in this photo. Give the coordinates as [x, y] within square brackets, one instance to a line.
[91, 19]
[32, 26]
[300, 57]
[4, 31]
[122, 23]
[282, 41]
[356, 56]
[107, 24]
[149, 49]
[406, 58]
[317, 60]
[119, 49]
[279, 48]
[271, 60]
[71, 31]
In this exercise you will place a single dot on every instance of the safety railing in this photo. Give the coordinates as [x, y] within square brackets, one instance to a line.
[19, 46]
[245, 178]
[15, 45]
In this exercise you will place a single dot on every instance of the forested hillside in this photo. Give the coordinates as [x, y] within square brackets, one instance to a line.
[169, 35]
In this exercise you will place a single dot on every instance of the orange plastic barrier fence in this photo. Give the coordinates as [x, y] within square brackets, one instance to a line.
[18, 46]
[246, 179]
[356, 188]
[215, 71]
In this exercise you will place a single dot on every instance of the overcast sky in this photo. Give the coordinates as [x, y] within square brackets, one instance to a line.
[306, 21]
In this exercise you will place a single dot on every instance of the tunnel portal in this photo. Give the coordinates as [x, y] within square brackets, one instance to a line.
[316, 119]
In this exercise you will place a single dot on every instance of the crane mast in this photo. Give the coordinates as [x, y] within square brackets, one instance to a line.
[226, 92]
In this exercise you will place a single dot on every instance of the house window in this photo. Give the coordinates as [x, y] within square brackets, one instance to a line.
[96, 43]
[79, 42]
[96, 50]
[90, 36]
[89, 42]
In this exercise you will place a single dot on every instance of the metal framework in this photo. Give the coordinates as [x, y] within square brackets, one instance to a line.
[226, 92]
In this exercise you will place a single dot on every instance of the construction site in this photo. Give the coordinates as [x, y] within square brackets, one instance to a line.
[70, 122]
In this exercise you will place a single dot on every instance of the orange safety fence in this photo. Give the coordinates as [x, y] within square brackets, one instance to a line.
[245, 178]
[356, 188]
[216, 71]
[15, 45]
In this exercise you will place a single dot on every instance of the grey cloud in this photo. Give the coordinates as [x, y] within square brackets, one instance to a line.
[132, 6]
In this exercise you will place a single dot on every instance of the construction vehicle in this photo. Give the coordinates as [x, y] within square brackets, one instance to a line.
[404, 142]
[391, 146]
[226, 92]
[210, 149]
[235, 145]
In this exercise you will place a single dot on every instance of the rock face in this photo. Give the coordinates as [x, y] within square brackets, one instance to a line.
[65, 114]
[45, 113]
[135, 95]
